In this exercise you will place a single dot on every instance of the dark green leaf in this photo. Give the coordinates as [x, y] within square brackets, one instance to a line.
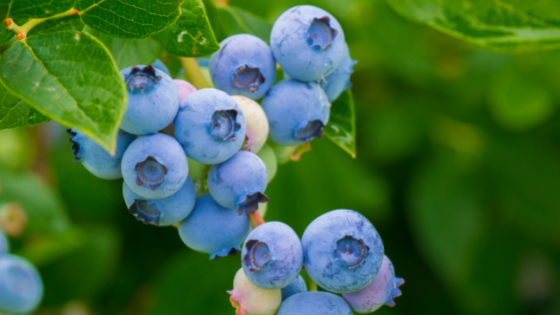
[129, 18]
[191, 35]
[35, 8]
[5, 35]
[45, 212]
[234, 20]
[45, 249]
[70, 23]
[501, 25]
[130, 52]
[16, 113]
[71, 78]
[341, 128]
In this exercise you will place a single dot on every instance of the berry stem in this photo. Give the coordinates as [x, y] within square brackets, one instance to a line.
[256, 219]
[22, 30]
[192, 70]
[312, 285]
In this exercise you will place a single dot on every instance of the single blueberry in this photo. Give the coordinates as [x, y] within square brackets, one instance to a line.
[272, 256]
[256, 123]
[379, 292]
[295, 287]
[248, 299]
[311, 303]
[158, 64]
[243, 66]
[95, 158]
[161, 212]
[342, 250]
[297, 112]
[4, 245]
[155, 166]
[210, 126]
[213, 229]
[153, 100]
[239, 182]
[21, 287]
[307, 42]
[338, 81]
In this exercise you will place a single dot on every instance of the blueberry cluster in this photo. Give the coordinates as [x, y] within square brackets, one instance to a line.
[208, 172]
[21, 287]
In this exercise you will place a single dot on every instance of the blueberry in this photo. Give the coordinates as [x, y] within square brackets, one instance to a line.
[342, 251]
[248, 299]
[21, 288]
[297, 112]
[239, 182]
[213, 229]
[255, 121]
[297, 286]
[243, 66]
[338, 81]
[272, 256]
[314, 303]
[379, 292]
[307, 42]
[96, 159]
[165, 211]
[155, 166]
[4, 245]
[185, 89]
[210, 126]
[153, 100]
[158, 64]
[268, 157]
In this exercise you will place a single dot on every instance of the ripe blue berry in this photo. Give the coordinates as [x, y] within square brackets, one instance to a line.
[158, 64]
[272, 256]
[161, 212]
[210, 126]
[307, 42]
[256, 122]
[239, 182]
[155, 166]
[248, 299]
[153, 100]
[4, 245]
[21, 288]
[379, 292]
[95, 158]
[338, 81]
[213, 229]
[243, 66]
[297, 112]
[308, 303]
[343, 252]
[297, 286]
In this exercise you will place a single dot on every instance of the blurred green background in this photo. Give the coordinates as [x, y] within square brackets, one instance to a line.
[458, 167]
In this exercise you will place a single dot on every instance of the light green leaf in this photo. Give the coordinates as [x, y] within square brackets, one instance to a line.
[341, 128]
[33, 8]
[500, 25]
[191, 35]
[16, 113]
[70, 23]
[130, 52]
[129, 18]
[234, 20]
[71, 78]
[44, 210]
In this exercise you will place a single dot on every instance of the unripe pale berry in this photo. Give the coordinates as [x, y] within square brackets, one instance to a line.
[248, 299]
[255, 121]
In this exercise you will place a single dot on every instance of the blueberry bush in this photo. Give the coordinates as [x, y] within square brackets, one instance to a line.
[444, 145]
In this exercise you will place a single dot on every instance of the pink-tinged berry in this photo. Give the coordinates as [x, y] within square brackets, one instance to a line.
[248, 299]
[185, 88]
[381, 291]
[255, 121]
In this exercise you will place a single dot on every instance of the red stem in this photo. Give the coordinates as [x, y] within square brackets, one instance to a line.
[256, 219]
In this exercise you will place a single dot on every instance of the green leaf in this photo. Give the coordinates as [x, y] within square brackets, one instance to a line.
[34, 8]
[500, 25]
[16, 113]
[6, 35]
[43, 208]
[130, 52]
[234, 20]
[71, 78]
[341, 128]
[191, 35]
[129, 18]
[70, 23]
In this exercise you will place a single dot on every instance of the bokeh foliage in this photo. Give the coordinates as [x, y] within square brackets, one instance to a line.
[457, 166]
